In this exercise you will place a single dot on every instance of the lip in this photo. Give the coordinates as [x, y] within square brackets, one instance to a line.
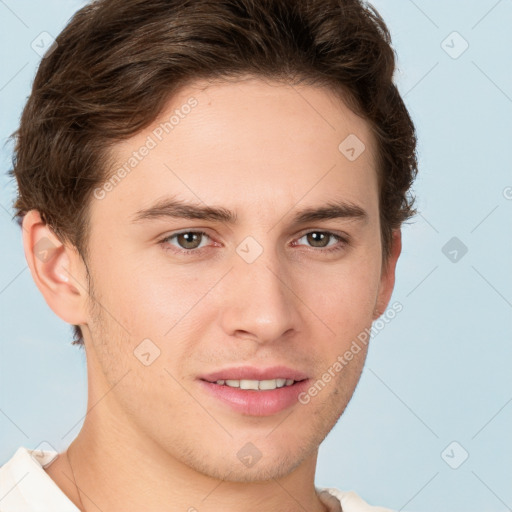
[254, 373]
[256, 403]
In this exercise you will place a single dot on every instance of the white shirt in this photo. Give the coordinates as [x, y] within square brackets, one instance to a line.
[26, 487]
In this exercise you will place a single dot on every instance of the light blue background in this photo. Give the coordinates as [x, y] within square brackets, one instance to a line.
[440, 371]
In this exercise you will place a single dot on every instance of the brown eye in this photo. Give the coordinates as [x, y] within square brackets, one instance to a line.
[189, 240]
[186, 241]
[318, 238]
[325, 240]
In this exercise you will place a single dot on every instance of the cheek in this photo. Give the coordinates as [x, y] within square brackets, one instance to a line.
[159, 301]
[343, 296]
[130, 298]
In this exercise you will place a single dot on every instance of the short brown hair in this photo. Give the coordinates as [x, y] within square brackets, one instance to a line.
[117, 63]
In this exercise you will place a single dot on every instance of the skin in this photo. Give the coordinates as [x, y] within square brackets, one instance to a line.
[152, 438]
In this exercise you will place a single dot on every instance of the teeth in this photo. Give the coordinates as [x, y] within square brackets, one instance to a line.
[250, 384]
[256, 384]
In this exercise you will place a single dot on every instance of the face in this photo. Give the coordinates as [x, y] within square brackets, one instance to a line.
[242, 236]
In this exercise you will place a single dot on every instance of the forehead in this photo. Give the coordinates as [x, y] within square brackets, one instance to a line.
[247, 142]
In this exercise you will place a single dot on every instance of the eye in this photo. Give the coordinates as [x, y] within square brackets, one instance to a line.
[322, 239]
[187, 241]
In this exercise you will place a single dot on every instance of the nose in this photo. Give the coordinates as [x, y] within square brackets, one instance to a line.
[259, 302]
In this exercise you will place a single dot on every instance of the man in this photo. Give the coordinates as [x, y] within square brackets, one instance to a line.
[212, 194]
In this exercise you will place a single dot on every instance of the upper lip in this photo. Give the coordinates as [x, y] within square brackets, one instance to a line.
[253, 373]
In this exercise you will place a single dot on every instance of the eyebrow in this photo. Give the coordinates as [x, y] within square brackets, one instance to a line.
[175, 208]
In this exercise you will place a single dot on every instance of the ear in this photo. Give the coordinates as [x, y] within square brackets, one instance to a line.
[387, 280]
[57, 270]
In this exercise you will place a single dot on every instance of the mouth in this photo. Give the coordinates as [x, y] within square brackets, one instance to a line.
[254, 392]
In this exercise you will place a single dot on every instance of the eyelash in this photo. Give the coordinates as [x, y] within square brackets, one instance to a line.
[164, 242]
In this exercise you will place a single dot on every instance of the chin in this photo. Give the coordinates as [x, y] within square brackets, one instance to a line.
[260, 473]
[228, 464]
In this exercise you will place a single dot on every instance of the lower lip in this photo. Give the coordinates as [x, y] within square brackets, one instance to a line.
[257, 403]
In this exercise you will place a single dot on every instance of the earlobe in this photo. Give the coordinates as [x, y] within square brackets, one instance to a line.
[387, 282]
[55, 269]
